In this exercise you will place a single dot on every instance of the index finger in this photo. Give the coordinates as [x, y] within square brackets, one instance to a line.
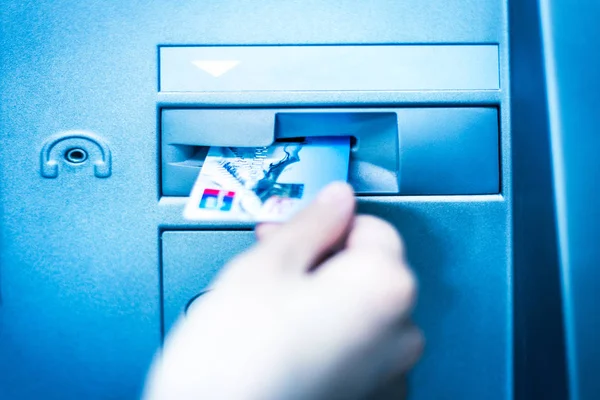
[313, 232]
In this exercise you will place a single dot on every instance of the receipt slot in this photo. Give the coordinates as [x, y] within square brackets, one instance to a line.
[101, 145]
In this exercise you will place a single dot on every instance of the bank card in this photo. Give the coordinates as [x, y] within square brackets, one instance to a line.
[266, 184]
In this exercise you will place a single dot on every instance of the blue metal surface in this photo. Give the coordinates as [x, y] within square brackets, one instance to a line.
[570, 37]
[464, 305]
[449, 151]
[80, 280]
[184, 274]
[315, 68]
[539, 365]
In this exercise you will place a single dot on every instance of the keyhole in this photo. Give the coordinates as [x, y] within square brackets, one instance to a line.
[76, 155]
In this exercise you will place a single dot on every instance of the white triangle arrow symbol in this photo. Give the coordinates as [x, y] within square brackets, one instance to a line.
[216, 67]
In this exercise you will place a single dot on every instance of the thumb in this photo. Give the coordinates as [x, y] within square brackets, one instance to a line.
[314, 231]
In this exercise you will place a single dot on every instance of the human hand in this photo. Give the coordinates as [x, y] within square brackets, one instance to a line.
[318, 309]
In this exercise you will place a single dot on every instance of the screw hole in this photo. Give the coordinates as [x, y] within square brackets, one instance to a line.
[76, 156]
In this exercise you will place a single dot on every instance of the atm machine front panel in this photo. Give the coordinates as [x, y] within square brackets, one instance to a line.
[106, 106]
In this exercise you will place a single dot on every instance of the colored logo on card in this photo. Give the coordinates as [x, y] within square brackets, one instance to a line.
[214, 199]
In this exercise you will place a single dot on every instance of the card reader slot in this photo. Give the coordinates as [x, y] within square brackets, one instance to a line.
[187, 161]
[373, 163]
[395, 151]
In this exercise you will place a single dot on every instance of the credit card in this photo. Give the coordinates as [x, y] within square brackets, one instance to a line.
[266, 184]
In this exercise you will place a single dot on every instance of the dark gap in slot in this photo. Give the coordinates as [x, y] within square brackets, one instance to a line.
[353, 140]
[291, 140]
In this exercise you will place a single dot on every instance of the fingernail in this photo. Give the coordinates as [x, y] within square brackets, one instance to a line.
[336, 193]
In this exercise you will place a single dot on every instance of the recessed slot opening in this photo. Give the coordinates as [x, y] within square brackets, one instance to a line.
[443, 151]
[373, 139]
[373, 158]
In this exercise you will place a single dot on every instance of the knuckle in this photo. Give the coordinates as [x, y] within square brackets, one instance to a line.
[378, 230]
[402, 287]
[396, 293]
[387, 289]
[377, 224]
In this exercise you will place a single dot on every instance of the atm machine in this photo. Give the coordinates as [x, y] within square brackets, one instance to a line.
[106, 112]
